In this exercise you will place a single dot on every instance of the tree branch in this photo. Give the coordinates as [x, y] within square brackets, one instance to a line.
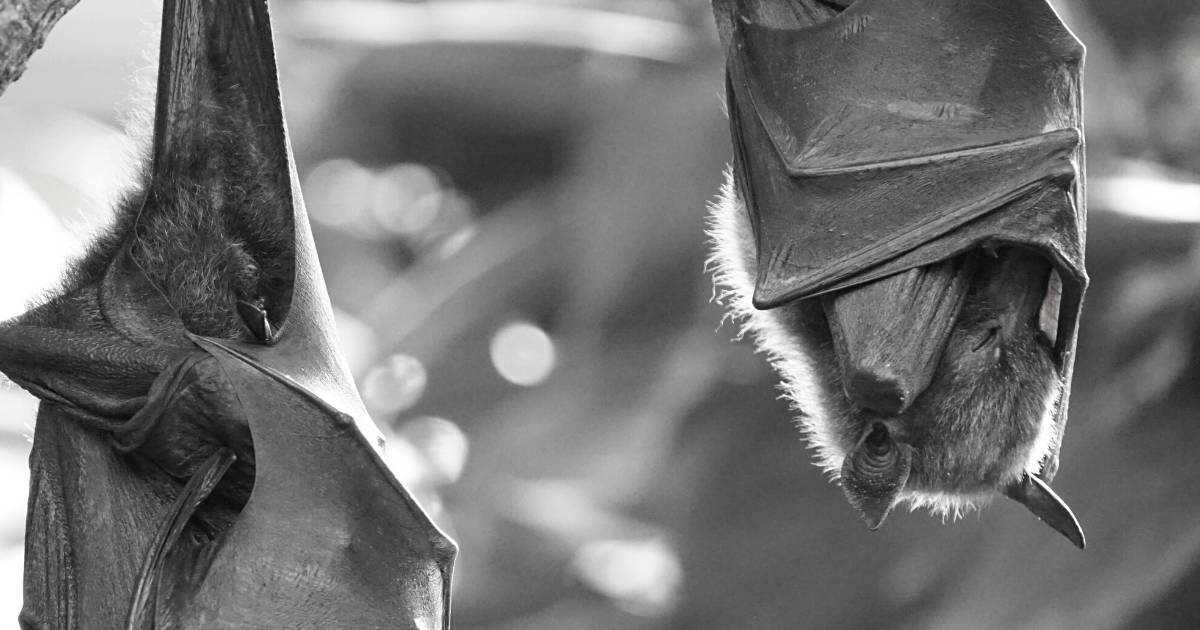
[24, 25]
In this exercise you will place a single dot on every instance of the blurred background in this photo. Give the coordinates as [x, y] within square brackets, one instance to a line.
[508, 198]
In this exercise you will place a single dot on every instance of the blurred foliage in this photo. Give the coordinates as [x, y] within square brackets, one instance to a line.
[510, 217]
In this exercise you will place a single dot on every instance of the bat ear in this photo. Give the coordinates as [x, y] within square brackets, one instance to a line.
[874, 473]
[1038, 498]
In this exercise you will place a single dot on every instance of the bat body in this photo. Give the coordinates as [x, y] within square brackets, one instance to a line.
[201, 457]
[902, 231]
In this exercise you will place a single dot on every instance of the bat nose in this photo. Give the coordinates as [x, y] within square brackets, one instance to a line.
[878, 389]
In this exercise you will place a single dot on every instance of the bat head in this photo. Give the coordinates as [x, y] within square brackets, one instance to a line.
[949, 378]
[936, 387]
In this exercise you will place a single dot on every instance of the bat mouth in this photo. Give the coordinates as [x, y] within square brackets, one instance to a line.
[799, 339]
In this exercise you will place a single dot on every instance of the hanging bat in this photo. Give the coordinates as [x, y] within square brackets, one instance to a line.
[201, 457]
[902, 232]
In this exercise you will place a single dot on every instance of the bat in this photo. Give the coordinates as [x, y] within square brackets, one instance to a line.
[902, 232]
[201, 457]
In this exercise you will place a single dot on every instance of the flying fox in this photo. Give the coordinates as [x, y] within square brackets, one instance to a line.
[201, 457]
[901, 231]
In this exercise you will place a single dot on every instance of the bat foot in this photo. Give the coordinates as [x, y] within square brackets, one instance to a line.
[255, 318]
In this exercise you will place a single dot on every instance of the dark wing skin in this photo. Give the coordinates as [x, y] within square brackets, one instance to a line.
[865, 115]
[327, 539]
[201, 457]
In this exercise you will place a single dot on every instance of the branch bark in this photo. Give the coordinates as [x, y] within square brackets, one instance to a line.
[24, 25]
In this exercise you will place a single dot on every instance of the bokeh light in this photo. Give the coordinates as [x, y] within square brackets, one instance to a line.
[641, 576]
[523, 353]
[11, 571]
[442, 443]
[406, 199]
[358, 341]
[1148, 193]
[336, 192]
[33, 241]
[422, 471]
[455, 227]
[455, 241]
[395, 384]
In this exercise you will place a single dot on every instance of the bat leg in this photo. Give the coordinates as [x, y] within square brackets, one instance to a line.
[255, 318]
[198, 488]
[1039, 499]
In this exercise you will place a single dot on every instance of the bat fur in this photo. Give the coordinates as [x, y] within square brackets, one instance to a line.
[957, 466]
[229, 256]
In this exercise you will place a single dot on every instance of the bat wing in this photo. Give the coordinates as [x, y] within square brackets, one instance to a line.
[328, 537]
[866, 136]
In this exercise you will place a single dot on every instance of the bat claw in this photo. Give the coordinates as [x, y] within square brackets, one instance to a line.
[255, 318]
[1039, 499]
